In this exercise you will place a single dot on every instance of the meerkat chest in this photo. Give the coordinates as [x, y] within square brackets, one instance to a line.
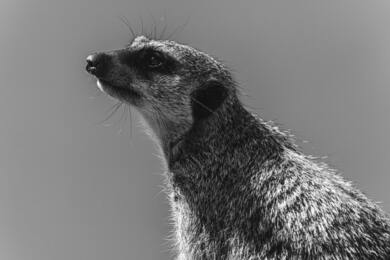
[191, 239]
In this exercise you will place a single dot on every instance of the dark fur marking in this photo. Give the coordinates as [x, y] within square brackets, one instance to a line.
[140, 61]
[207, 99]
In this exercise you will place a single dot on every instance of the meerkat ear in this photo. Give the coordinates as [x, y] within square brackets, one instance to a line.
[207, 98]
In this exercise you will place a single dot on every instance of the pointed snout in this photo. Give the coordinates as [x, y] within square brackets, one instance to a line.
[97, 64]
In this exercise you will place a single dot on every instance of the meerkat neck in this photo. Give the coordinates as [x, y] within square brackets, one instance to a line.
[214, 161]
[207, 131]
[231, 127]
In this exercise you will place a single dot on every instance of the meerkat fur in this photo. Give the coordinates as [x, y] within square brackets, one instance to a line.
[239, 188]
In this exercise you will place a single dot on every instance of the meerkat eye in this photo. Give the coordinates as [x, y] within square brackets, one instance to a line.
[154, 61]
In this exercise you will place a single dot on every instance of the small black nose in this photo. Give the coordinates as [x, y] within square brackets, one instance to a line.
[97, 64]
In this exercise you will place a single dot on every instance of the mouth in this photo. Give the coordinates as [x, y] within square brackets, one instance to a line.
[119, 92]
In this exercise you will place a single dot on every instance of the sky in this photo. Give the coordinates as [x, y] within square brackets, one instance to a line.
[74, 187]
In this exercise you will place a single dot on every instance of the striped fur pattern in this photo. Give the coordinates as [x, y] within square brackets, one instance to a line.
[243, 191]
[239, 188]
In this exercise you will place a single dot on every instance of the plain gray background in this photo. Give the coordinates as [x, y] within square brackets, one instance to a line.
[74, 188]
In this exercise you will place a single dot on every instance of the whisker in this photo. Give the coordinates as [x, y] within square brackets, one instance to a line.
[120, 120]
[179, 28]
[142, 25]
[164, 28]
[130, 121]
[127, 23]
[155, 31]
[154, 26]
[203, 105]
[113, 109]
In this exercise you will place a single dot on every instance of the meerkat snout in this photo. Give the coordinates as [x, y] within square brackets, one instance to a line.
[97, 64]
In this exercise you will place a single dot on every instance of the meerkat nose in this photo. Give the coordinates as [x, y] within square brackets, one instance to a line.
[90, 64]
[97, 64]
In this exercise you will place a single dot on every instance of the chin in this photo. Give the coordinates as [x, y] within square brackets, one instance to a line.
[120, 93]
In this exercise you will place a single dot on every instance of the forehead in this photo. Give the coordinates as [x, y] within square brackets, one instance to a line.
[171, 47]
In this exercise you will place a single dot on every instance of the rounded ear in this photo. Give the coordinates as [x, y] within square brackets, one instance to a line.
[207, 99]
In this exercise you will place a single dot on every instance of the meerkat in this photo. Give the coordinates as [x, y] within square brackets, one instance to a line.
[239, 188]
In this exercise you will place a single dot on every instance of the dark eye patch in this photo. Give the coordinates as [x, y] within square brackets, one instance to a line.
[148, 61]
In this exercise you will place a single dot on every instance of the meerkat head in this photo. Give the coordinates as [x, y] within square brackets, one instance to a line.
[172, 85]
